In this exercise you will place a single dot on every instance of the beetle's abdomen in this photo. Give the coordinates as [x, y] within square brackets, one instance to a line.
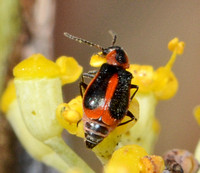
[95, 132]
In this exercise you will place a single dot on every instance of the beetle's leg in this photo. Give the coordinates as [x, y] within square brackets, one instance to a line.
[92, 72]
[135, 87]
[129, 114]
[78, 122]
[82, 86]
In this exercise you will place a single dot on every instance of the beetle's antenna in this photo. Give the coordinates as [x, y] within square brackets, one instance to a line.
[114, 36]
[80, 40]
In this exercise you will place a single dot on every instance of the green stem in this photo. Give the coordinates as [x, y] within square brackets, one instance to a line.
[34, 147]
[170, 63]
[53, 160]
[68, 155]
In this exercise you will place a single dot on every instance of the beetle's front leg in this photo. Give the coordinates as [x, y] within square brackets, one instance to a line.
[135, 87]
[82, 84]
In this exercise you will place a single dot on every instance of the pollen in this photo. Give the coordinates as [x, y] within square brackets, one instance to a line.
[97, 60]
[151, 164]
[69, 68]
[36, 66]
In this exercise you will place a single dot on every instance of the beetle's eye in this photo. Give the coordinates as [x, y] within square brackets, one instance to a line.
[121, 57]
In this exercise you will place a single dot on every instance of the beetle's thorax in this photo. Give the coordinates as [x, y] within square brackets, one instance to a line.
[115, 55]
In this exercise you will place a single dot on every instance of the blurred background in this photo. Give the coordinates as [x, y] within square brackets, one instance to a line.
[144, 29]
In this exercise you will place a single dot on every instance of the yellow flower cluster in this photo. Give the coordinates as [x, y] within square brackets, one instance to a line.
[154, 85]
[32, 113]
[161, 81]
[45, 116]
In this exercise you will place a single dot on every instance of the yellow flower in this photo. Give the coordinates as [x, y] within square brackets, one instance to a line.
[69, 68]
[175, 45]
[69, 116]
[38, 89]
[37, 66]
[42, 77]
[142, 76]
[8, 97]
[162, 81]
[34, 147]
[133, 158]
[126, 159]
[166, 84]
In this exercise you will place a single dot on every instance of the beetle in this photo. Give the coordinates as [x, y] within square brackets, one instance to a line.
[106, 98]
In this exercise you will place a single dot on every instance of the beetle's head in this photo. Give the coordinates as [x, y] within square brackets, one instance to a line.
[115, 55]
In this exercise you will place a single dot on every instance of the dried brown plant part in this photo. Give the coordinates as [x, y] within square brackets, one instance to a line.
[180, 161]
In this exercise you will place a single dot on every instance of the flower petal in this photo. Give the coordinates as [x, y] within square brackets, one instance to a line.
[70, 69]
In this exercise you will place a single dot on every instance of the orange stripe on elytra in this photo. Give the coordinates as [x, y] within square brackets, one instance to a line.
[94, 113]
[103, 110]
[106, 117]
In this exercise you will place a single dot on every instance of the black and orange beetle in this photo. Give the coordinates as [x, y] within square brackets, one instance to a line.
[106, 98]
